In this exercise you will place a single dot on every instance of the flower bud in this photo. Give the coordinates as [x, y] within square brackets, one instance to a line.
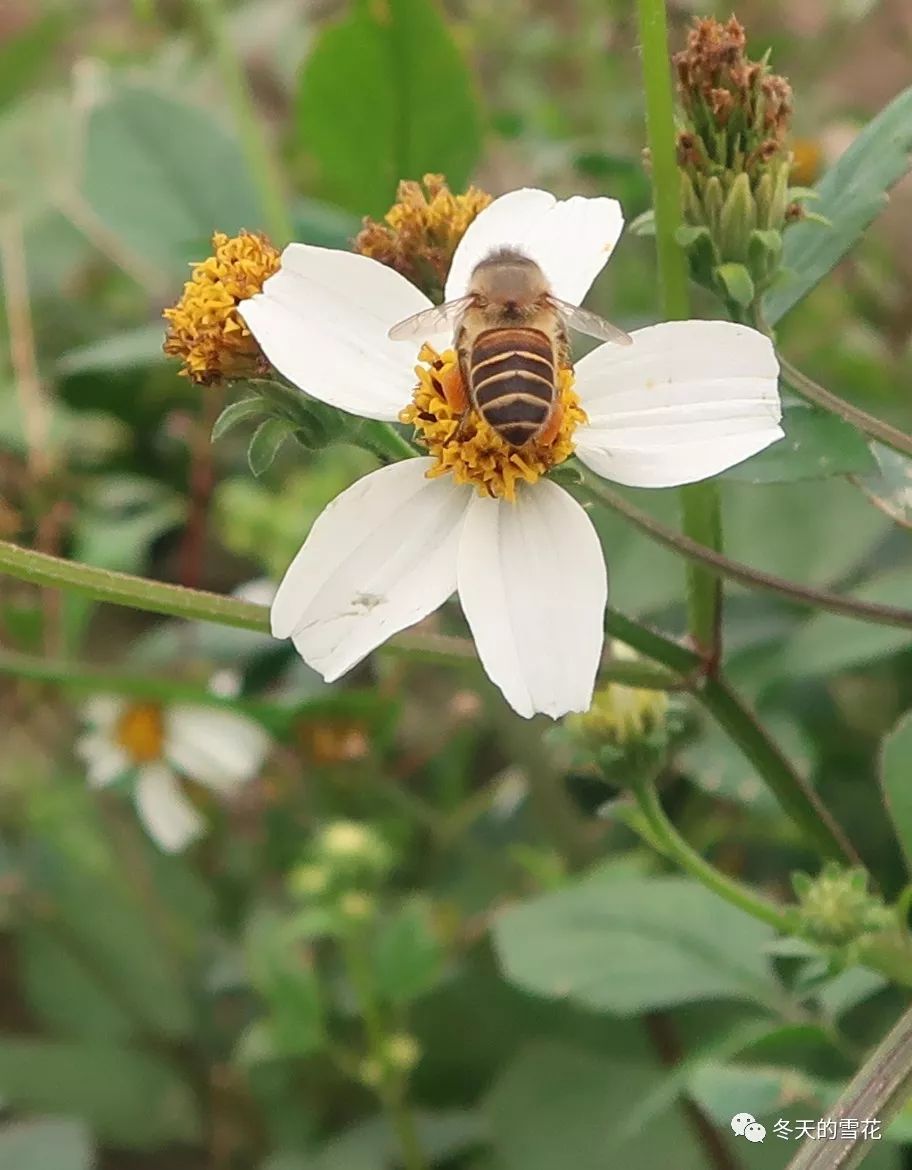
[352, 850]
[837, 908]
[735, 161]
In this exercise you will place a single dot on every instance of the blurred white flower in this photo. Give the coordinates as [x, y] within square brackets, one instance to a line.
[159, 744]
[686, 400]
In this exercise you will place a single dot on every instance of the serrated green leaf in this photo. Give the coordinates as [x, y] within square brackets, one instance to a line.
[386, 95]
[817, 445]
[45, 1144]
[852, 193]
[163, 175]
[627, 945]
[266, 442]
[128, 1097]
[896, 779]
[238, 412]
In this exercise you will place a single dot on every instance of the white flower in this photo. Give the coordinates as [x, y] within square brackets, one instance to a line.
[685, 401]
[214, 747]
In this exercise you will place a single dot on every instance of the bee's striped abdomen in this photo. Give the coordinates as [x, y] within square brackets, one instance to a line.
[512, 381]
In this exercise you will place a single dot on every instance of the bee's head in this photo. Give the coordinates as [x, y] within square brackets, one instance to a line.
[509, 283]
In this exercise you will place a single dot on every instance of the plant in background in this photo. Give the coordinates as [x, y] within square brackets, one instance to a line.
[151, 746]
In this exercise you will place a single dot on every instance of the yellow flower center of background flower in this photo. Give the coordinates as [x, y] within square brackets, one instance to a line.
[140, 732]
[468, 448]
[205, 329]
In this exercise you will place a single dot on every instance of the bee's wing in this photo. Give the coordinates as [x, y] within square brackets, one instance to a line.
[429, 321]
[590, 323]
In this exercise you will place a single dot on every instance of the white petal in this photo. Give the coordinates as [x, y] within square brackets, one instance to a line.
[261, 591]
[215, 747]
[168, 815]
[103, 711]
[533, 587]
[570, 239]
[322, 321]
[687, 400]
[105, 760]
[380, 557]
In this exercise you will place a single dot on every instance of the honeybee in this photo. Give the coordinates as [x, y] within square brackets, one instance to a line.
[511, 340]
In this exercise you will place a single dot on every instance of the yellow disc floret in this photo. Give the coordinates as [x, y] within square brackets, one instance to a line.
[140, 732]
[205, 330]
[466, 447]
[420, 232]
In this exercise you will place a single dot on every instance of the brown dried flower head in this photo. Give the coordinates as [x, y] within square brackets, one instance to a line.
[420, 232]
[204, 328]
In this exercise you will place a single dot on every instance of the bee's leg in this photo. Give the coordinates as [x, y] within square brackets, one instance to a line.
[453, 388]
[552, 427]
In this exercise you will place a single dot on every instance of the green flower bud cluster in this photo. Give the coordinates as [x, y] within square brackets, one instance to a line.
[627, 727]
[836, 908]
[735, 162]
[400, 1054]
[344, 868]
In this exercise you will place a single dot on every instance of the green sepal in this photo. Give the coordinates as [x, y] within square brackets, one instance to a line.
[737, 283]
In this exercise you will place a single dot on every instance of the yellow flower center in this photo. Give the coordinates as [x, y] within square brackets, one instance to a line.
[205, 329]
[140, 732]
[470, 450]
[420, 232]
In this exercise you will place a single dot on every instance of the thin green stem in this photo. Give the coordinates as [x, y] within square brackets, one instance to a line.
[721, 566]
[392, 1088]
[700, 507]
[796, 797]
[261, 163]
[878, 1090]
[672, 845]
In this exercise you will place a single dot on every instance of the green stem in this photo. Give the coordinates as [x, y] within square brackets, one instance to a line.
[796, 797]
[672, 845]
[700, 507]
[878, 1090]
[392, 1090]
[722, 566]
[261, 164]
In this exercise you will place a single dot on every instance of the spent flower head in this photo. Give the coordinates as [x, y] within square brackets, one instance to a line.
[204, 328]
[735, 161]
[419, 234]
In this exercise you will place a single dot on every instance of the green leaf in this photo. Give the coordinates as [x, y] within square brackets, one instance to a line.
[851, 194]
[238, 412]
[265, 444]
[128, 1097]
[896, 778]
[282, 972]
[890, 484]
[817, 444]
[128, 350]
[407, 955]
[62, 991]
[629, 945]
[848, 989]
[45, 1144]
[737, 283]
[828, 642]
[384, 96]
[24, 55]
[164, 175]
[556, 1105]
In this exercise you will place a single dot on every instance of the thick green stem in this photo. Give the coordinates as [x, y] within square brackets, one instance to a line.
[701, 511]
[672, 845]
[796, 797]
[878, 1090]
[261, 163]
